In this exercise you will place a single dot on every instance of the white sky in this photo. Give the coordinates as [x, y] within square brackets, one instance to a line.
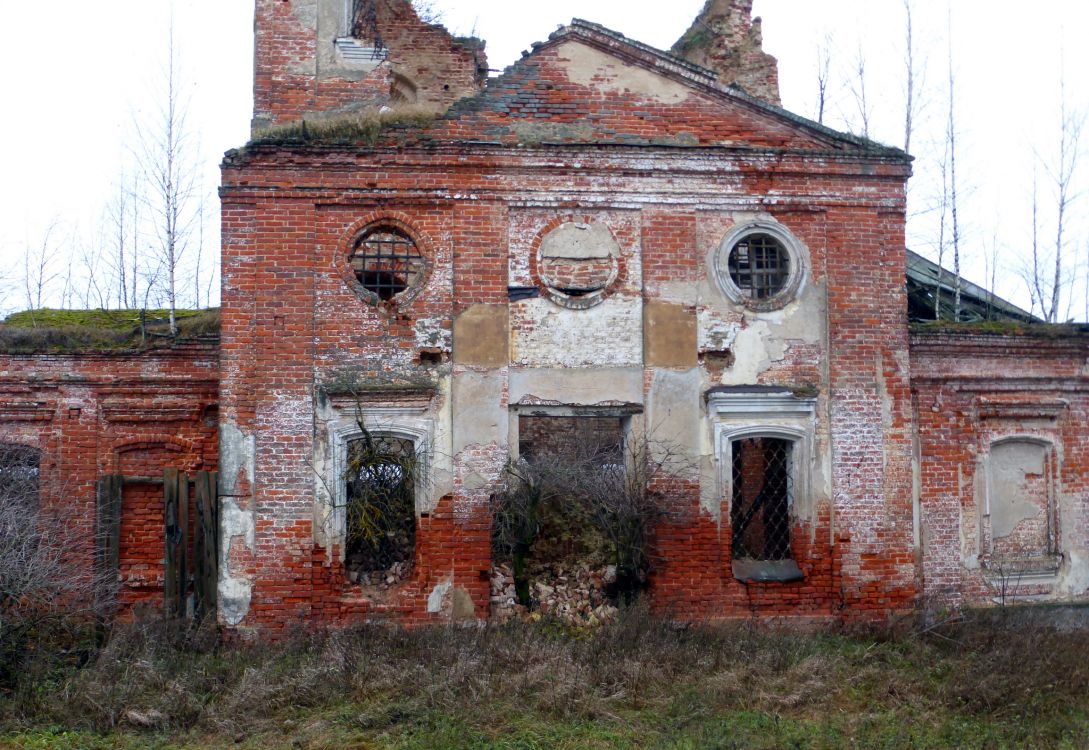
[77, 75]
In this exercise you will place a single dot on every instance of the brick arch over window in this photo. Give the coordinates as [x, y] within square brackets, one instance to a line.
[153, 453]
[400, 224]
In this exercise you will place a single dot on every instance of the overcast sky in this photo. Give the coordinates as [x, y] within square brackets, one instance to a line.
[78, 75]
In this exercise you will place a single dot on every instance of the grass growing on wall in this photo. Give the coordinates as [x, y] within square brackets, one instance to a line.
[47, 330]
[363, 129]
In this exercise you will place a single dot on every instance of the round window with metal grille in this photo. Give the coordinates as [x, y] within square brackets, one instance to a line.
[387, 263]
[760, 265]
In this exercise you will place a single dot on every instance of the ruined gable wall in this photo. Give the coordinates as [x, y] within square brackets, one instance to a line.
[576, 90]
[972, 391]
[299, 72]
[93, 415]
[293, 324]
[728, 40]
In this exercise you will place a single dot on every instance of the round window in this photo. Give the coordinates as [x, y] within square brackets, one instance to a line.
[386, 262]
[760, 266]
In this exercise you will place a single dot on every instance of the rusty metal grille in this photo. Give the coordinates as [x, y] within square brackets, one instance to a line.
[759, 265]
[762, 491]
[387, 262]
[380, 509]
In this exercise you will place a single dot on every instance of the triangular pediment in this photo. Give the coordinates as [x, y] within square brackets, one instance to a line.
[587, 84]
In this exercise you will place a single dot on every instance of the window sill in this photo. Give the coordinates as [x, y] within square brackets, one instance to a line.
[767, 571]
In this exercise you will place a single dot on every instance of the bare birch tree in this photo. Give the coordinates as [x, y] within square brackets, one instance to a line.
[858, 91]
[168, 166]
[909, 65]
[39, 268]
[824, 75]
[1062, 175]
[951, 140]
[1049, 273]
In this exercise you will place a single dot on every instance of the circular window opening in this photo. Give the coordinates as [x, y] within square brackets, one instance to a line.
[386, 262]
[577, 262]
[759, 266]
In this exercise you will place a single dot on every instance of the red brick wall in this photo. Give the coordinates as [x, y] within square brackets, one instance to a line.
[971, 389]
[476, 192]
[290, 218]
[290, 82]
[126, 413]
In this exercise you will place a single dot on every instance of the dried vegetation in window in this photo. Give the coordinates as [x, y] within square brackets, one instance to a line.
[380, 509]
[573, 528]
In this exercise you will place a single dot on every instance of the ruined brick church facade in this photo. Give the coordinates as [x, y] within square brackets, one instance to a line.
[605, 234]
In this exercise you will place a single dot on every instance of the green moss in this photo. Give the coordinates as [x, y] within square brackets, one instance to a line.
[47, 330]
[694, 39]
[356, 129]
[1004, 328]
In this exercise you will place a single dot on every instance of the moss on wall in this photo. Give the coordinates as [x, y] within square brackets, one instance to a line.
[47, 330]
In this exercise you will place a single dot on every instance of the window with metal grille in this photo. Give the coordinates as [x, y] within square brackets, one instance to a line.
[759, 265]
[380, 513]
[386, 262]
[762, 496]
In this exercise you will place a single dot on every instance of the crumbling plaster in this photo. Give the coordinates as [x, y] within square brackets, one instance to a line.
[237, 458]
[589, 67]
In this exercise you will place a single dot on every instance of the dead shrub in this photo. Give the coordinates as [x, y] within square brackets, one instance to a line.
[46, 592]
[589, 503]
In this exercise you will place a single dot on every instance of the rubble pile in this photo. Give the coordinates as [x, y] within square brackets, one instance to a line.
[572, 592]
[394, 575]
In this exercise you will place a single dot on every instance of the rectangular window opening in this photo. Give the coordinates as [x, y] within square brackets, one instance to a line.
[762, 495]
[380, 510]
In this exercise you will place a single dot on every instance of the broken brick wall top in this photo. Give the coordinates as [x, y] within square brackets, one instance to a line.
[317, 58]
[726, 39]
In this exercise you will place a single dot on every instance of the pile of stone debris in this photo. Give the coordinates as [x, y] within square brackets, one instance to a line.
[573, 593]
[394, 575]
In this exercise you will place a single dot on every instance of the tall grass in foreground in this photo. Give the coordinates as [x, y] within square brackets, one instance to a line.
[639, 682]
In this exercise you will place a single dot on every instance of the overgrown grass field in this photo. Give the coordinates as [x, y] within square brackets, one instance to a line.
[989, 681]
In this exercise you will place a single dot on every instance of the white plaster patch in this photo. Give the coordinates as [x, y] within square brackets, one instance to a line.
[234, 599]
[236, 525]
[1076, 581]
[582, 387]
[715, 332]
[236, 454]
[436, 597]
[431, 334]
[547, 335]
[595, 69]
[754, 352]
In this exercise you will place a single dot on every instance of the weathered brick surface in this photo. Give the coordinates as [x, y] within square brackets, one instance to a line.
[97, 414]
[972, 390]
[294, 328]
[588, 133]
[296, 77]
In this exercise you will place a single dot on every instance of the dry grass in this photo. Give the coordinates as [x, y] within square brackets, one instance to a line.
[639, 682]
[360, 128]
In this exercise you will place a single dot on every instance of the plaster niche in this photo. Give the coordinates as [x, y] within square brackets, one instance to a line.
[577, 263]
